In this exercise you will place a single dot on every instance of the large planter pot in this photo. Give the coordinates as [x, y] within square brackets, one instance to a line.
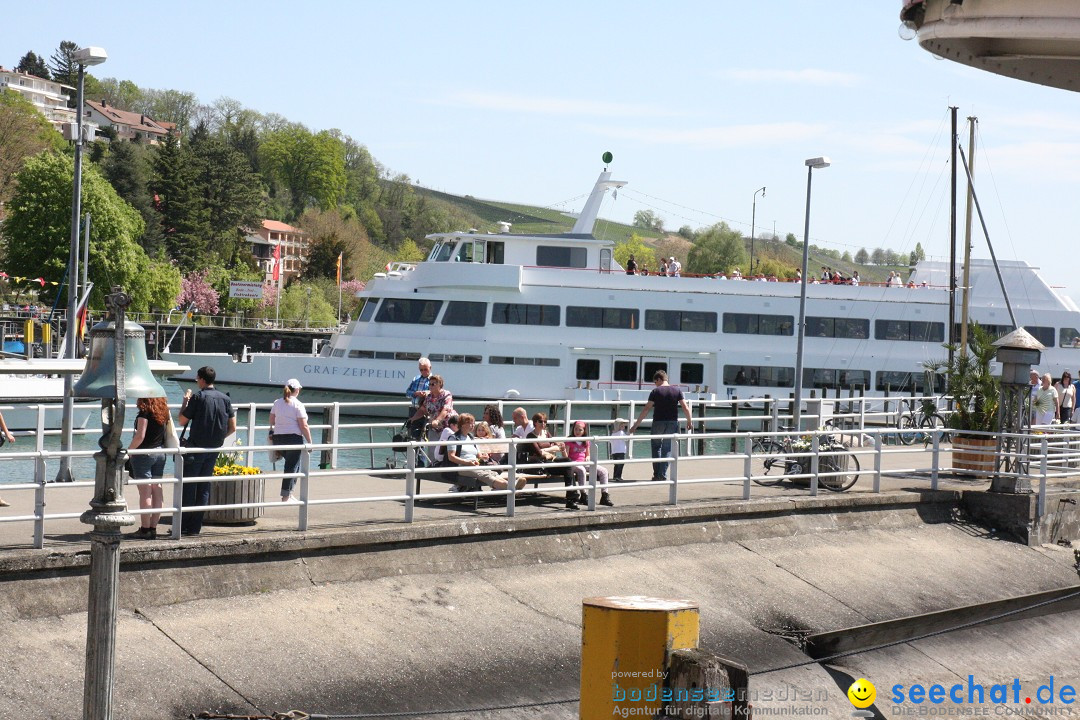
[231, 492]
[974, 456]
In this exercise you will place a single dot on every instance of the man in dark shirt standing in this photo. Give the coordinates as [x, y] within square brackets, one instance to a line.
[667, 399]
[212, 419]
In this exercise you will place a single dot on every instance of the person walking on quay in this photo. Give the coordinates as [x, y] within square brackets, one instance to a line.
[1066, 397]
[289, 426]
[8, 437]
[1046, 402]
[619, 447]
[667, 399]
[152, 426]
[419, 387]
[212, 418]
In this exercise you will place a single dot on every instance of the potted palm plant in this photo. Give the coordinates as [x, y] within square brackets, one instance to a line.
[976, 393]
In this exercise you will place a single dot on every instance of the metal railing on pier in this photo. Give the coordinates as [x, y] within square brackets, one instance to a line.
[356, 461]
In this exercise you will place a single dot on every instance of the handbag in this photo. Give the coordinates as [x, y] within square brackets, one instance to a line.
[171, 440]
[274, 455]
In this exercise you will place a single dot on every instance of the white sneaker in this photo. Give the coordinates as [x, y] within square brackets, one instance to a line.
[456, 488]
[292, 500]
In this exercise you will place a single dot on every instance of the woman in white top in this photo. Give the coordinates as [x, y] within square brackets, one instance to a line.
[289, 426]
[1046, 402]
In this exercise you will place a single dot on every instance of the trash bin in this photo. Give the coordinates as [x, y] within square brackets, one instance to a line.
[230, 492]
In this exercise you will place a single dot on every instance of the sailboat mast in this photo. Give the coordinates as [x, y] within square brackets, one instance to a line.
[965, 297]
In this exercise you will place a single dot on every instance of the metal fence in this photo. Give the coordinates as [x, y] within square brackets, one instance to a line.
[729, 445]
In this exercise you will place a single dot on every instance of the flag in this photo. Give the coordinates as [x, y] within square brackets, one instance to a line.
[339, 266]
[81, 317]
[277, 262]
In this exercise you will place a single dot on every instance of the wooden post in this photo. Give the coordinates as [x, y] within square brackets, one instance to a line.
[625, 643]
[700, 684]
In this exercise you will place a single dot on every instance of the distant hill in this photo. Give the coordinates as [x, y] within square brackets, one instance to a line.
[530, 219]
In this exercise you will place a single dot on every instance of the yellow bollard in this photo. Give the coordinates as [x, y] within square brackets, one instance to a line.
[46, 334]
[625, 642]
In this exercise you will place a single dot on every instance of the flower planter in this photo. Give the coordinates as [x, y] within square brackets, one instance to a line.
[974, 456]
[231, 492]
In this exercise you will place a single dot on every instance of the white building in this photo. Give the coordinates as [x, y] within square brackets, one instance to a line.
[48, 96]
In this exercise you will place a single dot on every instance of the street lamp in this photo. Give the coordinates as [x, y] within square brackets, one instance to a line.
[753, 218]
[812, 164]
[85, 57]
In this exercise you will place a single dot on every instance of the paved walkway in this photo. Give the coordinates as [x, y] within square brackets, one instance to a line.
[354, 498]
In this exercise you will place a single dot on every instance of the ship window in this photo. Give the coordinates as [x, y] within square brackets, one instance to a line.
[680, 320]
[443, 252]
[506, 360]
[692, 373]
[625, 371]
[754, 375]
[369, 309]
[439, 357]
[361, 353]
[501, 360]
[414, 356]
[752, 324]
[337, 353]
[1070, 338]
[904, 382]
[464, 313]
[382, 355]
[831, 379]
[913, 330]
[522, 314]
[651, 368]
[464, 253]
[496, 252]
[854, 328]
[601, 317]
[1043, 334]
[588, 369]
[407, 310]
[559, 256]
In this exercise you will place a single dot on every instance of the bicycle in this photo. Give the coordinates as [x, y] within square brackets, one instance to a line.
[919, 424]
[838, 466]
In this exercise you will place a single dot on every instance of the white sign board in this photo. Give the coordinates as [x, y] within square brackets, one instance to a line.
[246, 290]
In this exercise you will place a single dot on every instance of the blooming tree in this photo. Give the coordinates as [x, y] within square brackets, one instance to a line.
[269, 295]
[195, 289]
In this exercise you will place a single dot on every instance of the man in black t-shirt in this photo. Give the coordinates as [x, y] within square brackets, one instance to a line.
[667, 399]
[212, 419]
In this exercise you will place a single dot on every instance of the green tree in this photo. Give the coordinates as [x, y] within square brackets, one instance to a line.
[39, 226]
[24, 132]
[230, 194]
[127, 168]
[877, 256]
[331, 232]
[792, 241]
[121, 94]
[160, 286]
[304, 305]
[862, 257]
[34, 64]
[64, 68]
[718, 249]
[846, 257]
[310, 166]
[184, 224]
[687, 232]
[635, 246]
[408, 251]
[917, 255]
[174, 106]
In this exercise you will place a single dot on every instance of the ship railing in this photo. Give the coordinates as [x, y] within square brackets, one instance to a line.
[345, 468]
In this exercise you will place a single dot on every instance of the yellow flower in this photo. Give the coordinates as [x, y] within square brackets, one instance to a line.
[236, 470]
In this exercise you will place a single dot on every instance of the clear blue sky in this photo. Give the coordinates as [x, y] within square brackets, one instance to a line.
[700, 102]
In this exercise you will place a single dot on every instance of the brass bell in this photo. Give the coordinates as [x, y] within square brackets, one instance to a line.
[98, 377]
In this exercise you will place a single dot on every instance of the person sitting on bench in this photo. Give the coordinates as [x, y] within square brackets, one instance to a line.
[469, 459]
[549, 454]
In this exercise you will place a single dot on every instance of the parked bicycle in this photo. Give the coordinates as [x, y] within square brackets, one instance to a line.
[773, 460]
[918, 424]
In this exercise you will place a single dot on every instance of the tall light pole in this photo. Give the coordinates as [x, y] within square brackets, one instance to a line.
[85, 57]
[753, 219]
[811, 165]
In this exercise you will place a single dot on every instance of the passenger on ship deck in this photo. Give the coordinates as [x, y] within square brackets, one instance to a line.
[578, 451]
[468, 457]
[674, 267]
[436, 406]
[1046, 402]
[736, 274]
[631, 265]
[663, 271]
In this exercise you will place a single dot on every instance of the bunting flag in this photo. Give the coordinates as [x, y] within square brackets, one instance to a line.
[277, 262]
[39, 280]
[81, 316]
[339, 266]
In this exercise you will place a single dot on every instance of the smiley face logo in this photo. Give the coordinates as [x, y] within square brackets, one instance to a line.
[862, 693]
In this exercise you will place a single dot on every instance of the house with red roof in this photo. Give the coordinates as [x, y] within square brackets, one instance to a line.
[127, 125]
[292, 243]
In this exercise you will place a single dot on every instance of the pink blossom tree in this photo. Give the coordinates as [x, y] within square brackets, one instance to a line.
[269, 298]
[195, 289]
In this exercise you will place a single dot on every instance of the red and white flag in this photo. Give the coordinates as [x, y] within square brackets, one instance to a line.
[277, 263]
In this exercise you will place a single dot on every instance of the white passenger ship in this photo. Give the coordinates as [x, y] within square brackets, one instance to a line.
[555, 317]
